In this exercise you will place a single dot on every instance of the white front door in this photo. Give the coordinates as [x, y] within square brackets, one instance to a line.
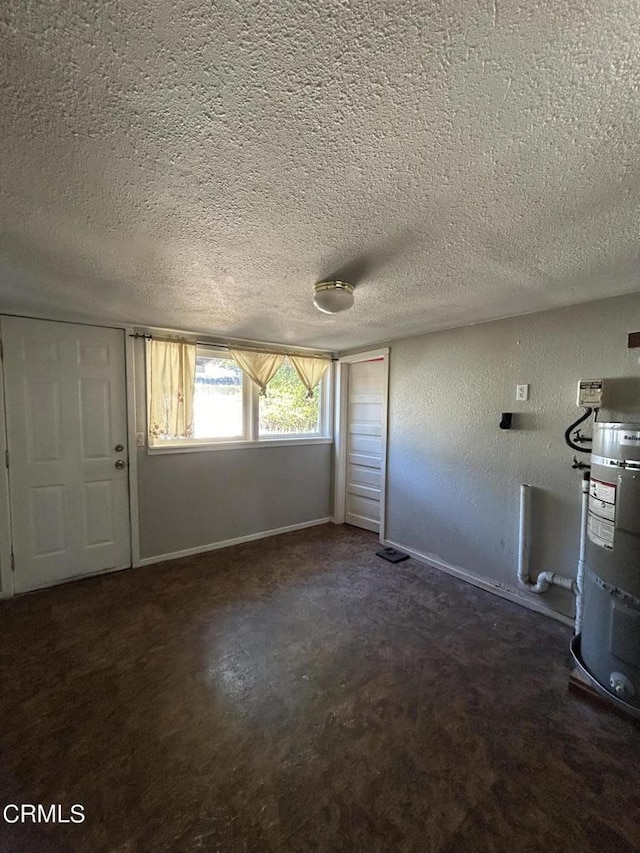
[66, 430]
[365, 443]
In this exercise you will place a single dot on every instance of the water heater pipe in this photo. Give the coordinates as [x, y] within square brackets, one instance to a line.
[545, 579]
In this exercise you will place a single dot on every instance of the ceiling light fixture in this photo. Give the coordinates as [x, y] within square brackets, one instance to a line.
[332, 297]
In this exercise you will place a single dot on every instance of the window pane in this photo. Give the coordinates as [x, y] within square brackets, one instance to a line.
[218, 398]
[286, 410]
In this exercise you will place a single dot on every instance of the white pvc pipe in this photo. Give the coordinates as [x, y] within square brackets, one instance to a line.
[544, 579]
[524, 544]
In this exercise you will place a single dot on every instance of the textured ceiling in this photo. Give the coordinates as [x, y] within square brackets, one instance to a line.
[200, 168]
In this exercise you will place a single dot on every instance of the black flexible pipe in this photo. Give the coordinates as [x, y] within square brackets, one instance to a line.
[569, 430]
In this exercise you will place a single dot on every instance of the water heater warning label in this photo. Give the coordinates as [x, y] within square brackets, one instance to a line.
[602, 508]
[602, 513]
[602, 491]
[601, 531]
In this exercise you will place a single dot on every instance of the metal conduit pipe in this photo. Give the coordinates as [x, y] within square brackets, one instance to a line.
[545, 579]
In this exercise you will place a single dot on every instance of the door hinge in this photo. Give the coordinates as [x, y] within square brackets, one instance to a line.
[1, 351]
[13, 561]
[6, 458]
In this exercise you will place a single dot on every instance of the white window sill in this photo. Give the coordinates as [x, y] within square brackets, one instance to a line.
[198, 447]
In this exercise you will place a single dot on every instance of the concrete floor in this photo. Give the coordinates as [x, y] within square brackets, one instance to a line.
[302, 694]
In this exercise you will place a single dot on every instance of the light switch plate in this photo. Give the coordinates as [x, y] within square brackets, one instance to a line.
[522, 392]
[140, 439]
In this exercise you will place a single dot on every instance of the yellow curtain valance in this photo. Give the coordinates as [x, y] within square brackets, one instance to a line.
[260, 367]
[310, 370]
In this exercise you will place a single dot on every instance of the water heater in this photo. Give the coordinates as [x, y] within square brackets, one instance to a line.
[610, 638]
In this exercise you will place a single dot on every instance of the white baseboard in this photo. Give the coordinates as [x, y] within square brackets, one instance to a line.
[496, 587]
[227, 543]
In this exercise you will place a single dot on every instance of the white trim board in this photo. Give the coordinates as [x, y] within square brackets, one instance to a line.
[365, 355]
[340, 445]
[227, 543]
[6, 540]
[496, 587]
[130, 382]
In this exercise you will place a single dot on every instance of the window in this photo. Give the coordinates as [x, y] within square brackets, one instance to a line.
[228, 410]
[218, 399]
[286, 410]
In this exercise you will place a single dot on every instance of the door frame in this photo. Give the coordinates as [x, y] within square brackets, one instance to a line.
[132, 443]
[7, 577]
[341, 425]
[6, 539]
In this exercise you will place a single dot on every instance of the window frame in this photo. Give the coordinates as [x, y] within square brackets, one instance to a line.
[323, 423]
[251, 420]
[201, 351]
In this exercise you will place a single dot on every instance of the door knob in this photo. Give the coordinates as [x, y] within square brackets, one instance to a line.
[120, 464]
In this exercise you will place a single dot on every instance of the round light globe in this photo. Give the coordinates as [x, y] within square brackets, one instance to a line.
[331, 297]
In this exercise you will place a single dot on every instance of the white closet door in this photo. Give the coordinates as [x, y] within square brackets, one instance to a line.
[365, 444]
[66, 415]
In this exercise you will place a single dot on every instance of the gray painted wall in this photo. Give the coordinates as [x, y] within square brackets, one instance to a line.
[192, 499]
[453, 475]
[187, 500]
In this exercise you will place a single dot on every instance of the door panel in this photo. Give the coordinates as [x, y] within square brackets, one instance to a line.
[42, 409]
[364, 444]
[100, 523]
[48, 519]
[66, 412]
[95, 404]
[361, 475]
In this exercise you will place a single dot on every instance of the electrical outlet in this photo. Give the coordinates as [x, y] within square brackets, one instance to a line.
[522, 393]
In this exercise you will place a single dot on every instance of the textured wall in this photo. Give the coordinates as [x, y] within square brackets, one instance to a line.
[453, 475]
[192, 499]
